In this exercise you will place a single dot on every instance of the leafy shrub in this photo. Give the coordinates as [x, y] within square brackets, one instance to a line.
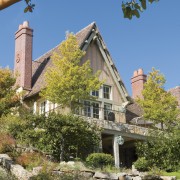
[99, 160]
[161, 149]
[7, 143]
[141, 164]
[53, 134]
[42, 176]
[64, 176]
[30, 160]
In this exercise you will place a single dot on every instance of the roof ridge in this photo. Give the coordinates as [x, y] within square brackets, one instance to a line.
[86, 27]
[91, 24]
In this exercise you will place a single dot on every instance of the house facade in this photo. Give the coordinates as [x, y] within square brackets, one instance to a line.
[110, 108]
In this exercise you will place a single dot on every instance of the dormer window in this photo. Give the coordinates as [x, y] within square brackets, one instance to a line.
[106, 91]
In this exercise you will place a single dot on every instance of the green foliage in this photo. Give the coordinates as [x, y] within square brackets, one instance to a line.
[60, 135]
[63, 176]
[158, 105]
[29, 7]
[99, 160]
[141, 164]
[161, 150]
[8, 96]
[68, 81]
[42, 176]
[6, 122]
[177, 174]
[133, 8]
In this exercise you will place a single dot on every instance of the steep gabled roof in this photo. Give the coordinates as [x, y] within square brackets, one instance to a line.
[40, 65]
[84, 37]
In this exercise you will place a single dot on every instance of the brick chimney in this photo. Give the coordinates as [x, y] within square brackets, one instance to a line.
[23, 56]
[137, 82]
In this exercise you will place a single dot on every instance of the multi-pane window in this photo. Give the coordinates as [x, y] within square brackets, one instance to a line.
[106, 91]
[91, 109]
[96, 110]
[43, 107]
[95, 93]
[87, 108]
[107, 110]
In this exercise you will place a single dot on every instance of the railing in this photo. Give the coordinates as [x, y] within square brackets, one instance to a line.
[105, 118]
[118, 126]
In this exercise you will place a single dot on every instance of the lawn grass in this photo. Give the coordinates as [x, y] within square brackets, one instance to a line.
[177, 174]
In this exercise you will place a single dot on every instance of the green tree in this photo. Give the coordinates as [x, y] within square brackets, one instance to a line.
[68, 81]
[135, 7]
[60, 135]
[160, 150]
[157, 104]
[162, 147]
[8, 96]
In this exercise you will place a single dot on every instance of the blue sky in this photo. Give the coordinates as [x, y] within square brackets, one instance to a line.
[151, 41]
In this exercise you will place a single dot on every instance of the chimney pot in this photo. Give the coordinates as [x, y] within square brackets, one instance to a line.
[140, 71]
[135, 73]
[25, 24]
[20, 26]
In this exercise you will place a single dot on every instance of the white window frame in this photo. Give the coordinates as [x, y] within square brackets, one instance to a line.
[95, 93]
[107, 109]
[91, 109]
[108, 93]
[42, 107]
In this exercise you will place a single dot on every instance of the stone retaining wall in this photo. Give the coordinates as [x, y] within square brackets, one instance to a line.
[22, 174]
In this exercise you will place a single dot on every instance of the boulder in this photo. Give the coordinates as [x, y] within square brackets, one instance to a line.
[19, 172]
[71, 163]
[121, 176]
[151, 177]
[36, 170]
[137, 178]
[128, 177]
[6, 161]
[168, 177]
[87, 174]
[109, 176]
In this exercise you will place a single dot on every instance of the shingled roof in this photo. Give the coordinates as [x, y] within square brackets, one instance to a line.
[40, 65]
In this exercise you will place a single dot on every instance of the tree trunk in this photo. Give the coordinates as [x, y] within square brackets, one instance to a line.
[162, 125]
[61, 158]
[6, 3]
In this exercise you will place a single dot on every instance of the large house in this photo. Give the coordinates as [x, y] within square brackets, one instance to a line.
[111, 110]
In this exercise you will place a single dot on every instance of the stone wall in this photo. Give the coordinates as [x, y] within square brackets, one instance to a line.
[22, 174]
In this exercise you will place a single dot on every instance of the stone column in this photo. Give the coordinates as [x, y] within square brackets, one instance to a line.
[101, 112]
[116, 151]
[35, 107]
[47, 107]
